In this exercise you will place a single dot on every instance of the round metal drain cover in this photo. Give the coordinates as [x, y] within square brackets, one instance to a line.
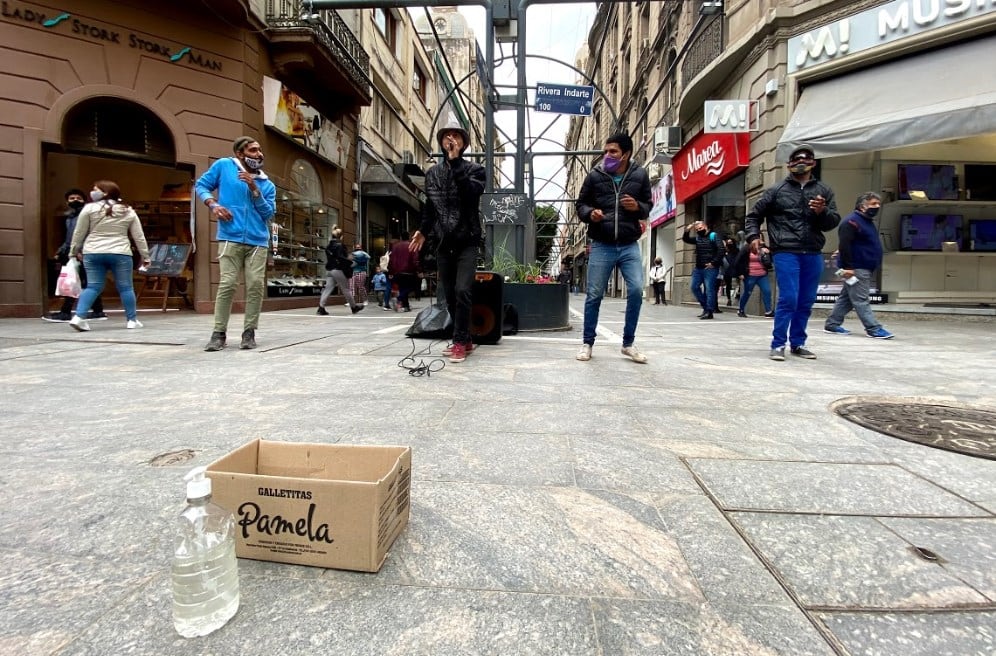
[970, 431]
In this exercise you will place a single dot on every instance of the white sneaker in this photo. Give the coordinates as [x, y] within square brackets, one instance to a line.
[133, 323]
[79, 324]
[584, 353]
[633, 354]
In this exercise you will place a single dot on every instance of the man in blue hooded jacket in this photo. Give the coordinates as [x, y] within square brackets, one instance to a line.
[245, 204]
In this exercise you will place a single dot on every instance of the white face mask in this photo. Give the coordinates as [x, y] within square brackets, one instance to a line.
[96, 195]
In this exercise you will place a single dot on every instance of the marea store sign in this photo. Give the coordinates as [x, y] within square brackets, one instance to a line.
[708, 160]
[88, 29]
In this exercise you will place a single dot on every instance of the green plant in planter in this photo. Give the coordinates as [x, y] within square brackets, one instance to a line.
[504, 263]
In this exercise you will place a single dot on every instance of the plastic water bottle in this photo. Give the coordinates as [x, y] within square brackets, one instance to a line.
[205, 570]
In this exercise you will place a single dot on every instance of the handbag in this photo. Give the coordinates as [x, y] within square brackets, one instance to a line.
[69, 280]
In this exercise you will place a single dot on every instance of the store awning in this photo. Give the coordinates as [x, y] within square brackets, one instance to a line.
[941, 94]
[379, 180]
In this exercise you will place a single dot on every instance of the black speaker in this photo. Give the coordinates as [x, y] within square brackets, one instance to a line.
[486, 308]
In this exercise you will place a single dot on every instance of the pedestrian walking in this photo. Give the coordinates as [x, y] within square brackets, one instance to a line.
[752, 270]
[75, 201]
[859, 255]
[338, 272]
[358, 283]
[102, 238]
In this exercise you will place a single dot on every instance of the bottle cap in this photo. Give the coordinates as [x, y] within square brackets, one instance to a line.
[198, 485]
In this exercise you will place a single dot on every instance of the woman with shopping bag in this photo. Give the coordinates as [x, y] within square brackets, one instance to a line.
[101, 240]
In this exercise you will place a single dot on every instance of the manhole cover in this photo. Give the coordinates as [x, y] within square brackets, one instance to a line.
[172, 458]
[960, 429]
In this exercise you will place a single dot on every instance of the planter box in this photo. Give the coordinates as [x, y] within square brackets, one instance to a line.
[540, 307]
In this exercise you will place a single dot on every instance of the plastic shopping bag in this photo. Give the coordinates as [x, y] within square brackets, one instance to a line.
[69, 280]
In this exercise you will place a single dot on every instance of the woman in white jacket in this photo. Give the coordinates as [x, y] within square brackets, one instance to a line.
[101, 242]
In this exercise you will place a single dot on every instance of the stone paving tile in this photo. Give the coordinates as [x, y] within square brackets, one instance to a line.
[965, 633]
[543, 540]
[724, 566]
[833, 561]
[967, 547]
[46, 601]
[827, 488]
[609, 464]
[653, 628]
[287, 617]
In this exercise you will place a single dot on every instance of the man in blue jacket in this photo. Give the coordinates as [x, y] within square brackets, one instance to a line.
[859, 255]
[245, 204]
[615, 201]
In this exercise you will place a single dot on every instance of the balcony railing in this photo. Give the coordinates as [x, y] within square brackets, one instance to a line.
[329, 29]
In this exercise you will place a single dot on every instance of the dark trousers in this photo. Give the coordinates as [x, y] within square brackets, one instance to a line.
[456, 277]
[659, 296]
[406, 284]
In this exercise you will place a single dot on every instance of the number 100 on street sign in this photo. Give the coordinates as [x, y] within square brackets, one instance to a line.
[564, 98]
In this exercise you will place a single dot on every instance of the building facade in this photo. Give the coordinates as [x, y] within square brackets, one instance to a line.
[396, 129]
[150, 97]
[848, 78]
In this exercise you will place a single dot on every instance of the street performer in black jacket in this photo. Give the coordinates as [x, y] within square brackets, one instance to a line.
[615, 202]
[453, 191]
[799, 209]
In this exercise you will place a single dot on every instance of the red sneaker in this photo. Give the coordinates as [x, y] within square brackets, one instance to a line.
[458, 353]
[448, 351]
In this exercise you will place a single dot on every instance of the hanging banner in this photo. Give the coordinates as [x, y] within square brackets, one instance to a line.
[285, 112]
[665, 204]
[708, 160]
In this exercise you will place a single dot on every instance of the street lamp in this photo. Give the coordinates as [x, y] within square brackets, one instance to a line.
[711, 7]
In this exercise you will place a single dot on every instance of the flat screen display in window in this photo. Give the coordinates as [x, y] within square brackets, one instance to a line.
[927, 182]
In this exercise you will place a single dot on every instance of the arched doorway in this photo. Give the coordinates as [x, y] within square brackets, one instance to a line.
[108, 138]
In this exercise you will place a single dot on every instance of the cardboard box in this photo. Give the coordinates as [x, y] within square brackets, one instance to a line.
[324, 505]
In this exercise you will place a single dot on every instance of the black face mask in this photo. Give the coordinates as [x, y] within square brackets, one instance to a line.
[76, 204]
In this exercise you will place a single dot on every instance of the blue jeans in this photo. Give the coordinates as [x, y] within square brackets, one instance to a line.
[855, 297]
[704, 288]
[763, 284]
[603, 259]
[798, 276]
[97, 265]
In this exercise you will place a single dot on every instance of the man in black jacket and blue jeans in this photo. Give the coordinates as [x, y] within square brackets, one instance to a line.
[799, 209]
[453, 191]
[859, 255]
[708, 258]
[615, 202]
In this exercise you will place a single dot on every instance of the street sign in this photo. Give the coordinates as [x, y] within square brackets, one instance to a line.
[564, 98]
[731, 116]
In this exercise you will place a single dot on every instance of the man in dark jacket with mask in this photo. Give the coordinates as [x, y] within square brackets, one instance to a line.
[615, 201]
[799, 209]
[453, 191]
[75, 200]
[708, 258]
[859, 255]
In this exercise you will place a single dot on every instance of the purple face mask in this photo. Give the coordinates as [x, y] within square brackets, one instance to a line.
[611, 164]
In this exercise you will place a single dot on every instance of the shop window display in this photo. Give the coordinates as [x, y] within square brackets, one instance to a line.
[301, 230]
